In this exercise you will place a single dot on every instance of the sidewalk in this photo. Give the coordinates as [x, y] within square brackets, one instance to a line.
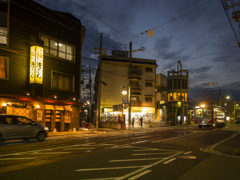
[109, 130]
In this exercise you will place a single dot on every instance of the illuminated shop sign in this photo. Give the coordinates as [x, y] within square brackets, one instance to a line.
[36, 65]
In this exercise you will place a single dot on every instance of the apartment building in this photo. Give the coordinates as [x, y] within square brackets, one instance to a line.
[40, 72]
[178, 84]
[114, 88]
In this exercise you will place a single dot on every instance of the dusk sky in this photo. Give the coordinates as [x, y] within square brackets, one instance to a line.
[202, 39]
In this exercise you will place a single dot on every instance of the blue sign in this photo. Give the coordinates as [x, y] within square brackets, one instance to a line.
[125, 101]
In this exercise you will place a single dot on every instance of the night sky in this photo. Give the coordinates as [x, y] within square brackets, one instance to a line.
[199, 35]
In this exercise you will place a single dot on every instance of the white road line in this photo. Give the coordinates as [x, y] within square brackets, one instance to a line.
[140, 137]
[176, 137]
[140, 174]
[110, 178]
[108, 168]
[148, 159]
[39, 150]
[147, 150]
[151, 154]
[146, 167]
[120, 140]
[170, 160]
[139, 142]
[15, 144]
[50, 153]
[77, 148]
[188, 152]
[7, 159]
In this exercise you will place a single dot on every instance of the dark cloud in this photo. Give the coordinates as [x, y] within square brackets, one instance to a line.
[199, 70]
[163, 48]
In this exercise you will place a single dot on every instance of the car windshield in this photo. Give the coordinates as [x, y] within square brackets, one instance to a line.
[202, 113]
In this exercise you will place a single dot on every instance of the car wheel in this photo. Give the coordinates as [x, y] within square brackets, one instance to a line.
[41, 136]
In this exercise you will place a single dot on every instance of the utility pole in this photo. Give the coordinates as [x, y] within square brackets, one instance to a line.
[99, 83]
[90, 100]
[220, 97]
[129, 80]
[129, 85]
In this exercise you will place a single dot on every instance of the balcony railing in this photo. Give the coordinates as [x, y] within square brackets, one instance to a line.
[136, 87]
[136, 103]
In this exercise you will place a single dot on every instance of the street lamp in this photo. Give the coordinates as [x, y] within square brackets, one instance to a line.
[228, 97]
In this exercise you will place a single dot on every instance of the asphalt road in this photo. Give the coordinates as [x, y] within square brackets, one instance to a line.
[154, 153]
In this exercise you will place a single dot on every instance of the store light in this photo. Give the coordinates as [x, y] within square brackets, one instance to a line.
[202, 105]
[37, 106]
[236, 104]
[4, 104]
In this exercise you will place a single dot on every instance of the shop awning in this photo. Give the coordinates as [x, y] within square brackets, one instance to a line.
[59, 108]
[49, 107]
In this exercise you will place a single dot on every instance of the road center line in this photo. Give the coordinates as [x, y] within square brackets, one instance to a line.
[140, 174]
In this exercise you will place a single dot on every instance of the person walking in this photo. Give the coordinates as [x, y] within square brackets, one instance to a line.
[133, 120]
[141, 120]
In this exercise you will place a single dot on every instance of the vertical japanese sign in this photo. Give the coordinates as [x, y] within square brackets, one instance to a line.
[36, 65]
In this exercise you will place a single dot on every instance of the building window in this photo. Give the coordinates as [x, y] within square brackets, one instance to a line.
[3, 67]
[58, 49]
[62, 82]
[170, 97]
[148, 84]
[170, 84]
[225, 104]
[184, 83]
[148, 70]
[148, 99]
[134, 98]
[3, 35]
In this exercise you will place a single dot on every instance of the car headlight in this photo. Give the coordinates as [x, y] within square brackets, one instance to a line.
[46, 128]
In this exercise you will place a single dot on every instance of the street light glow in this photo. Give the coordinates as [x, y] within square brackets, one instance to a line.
[228, 97]
[124, 92]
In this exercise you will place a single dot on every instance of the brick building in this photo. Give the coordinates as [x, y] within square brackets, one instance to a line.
[40, 64]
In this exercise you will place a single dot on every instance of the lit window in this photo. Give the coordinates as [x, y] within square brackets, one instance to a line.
[53, 47]
[3, 35]
[170, 97]
[56, 48]
[225, 104]
[62, 81]
[3, 67]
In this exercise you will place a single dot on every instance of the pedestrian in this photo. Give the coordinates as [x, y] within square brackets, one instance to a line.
[133, 120]
[141, 120]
